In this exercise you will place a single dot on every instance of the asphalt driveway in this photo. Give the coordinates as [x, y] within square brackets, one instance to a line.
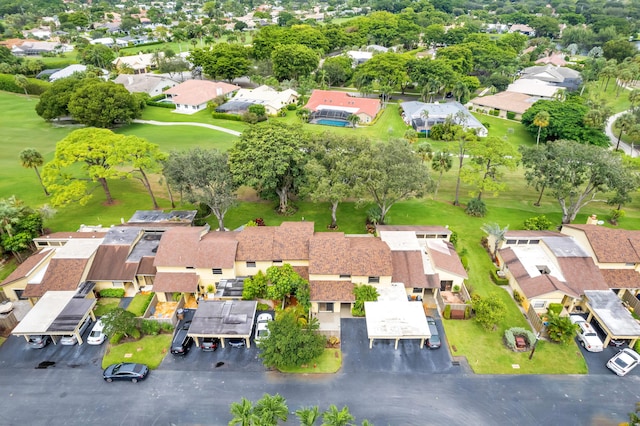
[16, 353]
[408, 358]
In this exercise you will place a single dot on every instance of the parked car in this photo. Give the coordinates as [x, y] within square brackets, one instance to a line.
[72, 339]
[236, 342]
[209, 344]
[39, 341]
[262, 327]
[433, 342]
[125, 371]
[97, 337]
[181, 342]
[624, 361]
[586, 334]
[612, 342]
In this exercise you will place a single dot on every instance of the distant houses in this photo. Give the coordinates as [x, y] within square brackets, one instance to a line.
[272, 100]
[151, 84]
[334, 108]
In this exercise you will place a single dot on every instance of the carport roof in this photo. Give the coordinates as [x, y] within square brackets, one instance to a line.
[612, 314]
[57, 312]
[396, 320]
[223, 319]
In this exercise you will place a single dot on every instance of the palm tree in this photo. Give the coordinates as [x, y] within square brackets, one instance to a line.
[494, 230]
[424, 114]
[424, 151]
[308, 415]
[303, 114]
[624, 123]
[460, 90]
[541, 120]
[335, 417]
[271, 409]
[634, 98]
[242, 413]
[607, 72]
[31, 158]
[353, 119]
[441, 163]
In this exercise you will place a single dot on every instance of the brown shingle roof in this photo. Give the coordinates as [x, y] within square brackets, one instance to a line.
[621, 278]
[25, 267]
[291, 240]
[146, 266]
[449, 261]
[506, 101]
[110, 264]
[71, 235]
[255, 243]
[533, 287]
[329, 254]
[408, 269]
[175, 282]
[186, 246]
[332, 291]
[581, 274]
[370, 256]
[612, 245]
[423, 229]
[303, 271]
[61, 275]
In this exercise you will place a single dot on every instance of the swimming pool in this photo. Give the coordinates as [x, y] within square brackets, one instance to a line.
[336, 123]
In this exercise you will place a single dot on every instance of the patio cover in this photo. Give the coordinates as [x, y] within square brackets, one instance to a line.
[610, 312]
[223, 319]
[175, 282]
[396, 320]
[57, 313]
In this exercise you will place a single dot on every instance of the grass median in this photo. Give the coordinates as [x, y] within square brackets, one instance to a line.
[149, 350]
[328, 363]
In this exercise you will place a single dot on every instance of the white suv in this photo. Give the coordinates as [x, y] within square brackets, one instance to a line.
[587, 335]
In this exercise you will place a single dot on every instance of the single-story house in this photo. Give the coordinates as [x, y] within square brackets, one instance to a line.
[504, 102]
[554, 58]
[41, 33]
[272, 100]
[72, 69]
[567, 78]
[140, 63]
[334, 108]
[421, 116]
[33, 48]
[193, 95]
[150, 84]
[534, 87]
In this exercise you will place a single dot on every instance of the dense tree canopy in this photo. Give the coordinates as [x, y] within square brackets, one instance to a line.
[293, 61]
[104, 104]
[223, 60]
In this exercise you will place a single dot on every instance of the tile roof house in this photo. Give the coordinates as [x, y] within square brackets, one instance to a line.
[421, 116]
[567, 78]
[153, 85]
[192, 95]
[272, 100]
[34, 266]
[504, 102]
[339, 105]
[140, 63]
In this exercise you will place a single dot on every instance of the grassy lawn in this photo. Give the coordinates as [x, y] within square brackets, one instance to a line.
[180, 137]
[7, 268]
[106, 304]
[149, 350]
[139, 303]
[329, 362]
[204, 116]
[2, 340]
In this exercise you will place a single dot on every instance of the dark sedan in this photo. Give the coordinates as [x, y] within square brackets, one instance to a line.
[433, 342]
[125, 371]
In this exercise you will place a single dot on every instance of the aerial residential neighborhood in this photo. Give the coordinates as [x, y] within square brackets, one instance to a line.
[334, 213]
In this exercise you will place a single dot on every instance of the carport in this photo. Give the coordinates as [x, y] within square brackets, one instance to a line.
[57, 313]
[607, 308]
[396, 320]
[229, 319]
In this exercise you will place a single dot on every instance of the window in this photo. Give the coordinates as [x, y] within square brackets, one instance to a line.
[539, 304]
[629, 264]
[522, 242]
[345, 276]
[374, 280]
[216, 271]
[118, 284]
[277, 262]
[417, 290]
[191, 267]
[251, 264]
[543, 269]
[534, 242]
[511, 241]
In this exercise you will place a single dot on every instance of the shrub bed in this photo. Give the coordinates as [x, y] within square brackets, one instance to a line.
[34, 86]
[112, 292]
[224, 116]
[139, 303]
[511, 334]
[496, 279]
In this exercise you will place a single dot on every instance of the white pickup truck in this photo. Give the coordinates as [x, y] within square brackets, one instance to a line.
[587, 335]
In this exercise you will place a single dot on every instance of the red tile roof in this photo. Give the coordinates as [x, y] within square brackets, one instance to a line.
[175, 282]
[612, 245]
[61, 275]
[331, 291]
[197, 92]
[325, 99]
[25, 267]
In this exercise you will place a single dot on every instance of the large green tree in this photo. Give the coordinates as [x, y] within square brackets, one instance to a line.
[94, 150]
[223, 60]
[97, 55]
[204, 177]
[291, 342]
[54, 102]
[593, 171]
[19, 225]
[270, 158]
[391, 173]
[143, 157]
[293, 61]
[104, 104]
[330, 171]
[31, 158]
[490, 157]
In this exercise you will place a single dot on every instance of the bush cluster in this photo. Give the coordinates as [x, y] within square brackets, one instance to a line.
[511, 333]
[511, 115]
[496, 279]
[161, 104]
[225, 116]
[447, 312]
[476, 208]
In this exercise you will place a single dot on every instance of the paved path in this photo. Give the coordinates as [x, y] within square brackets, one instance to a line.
[188, 123]
[613, 138]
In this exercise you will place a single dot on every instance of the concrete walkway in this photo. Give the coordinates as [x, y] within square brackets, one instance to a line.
[187, 123]
[608, 129]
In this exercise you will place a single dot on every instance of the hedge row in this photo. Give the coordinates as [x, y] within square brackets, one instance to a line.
[224, 116]
[112, 292]
[34, 86]
[161, 104]
[496, 279]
